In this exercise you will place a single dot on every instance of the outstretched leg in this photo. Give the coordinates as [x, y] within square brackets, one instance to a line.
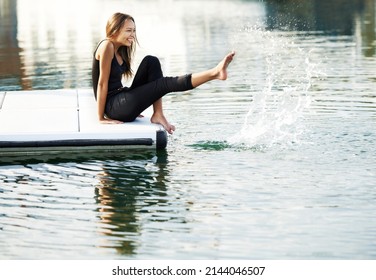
[217, 73]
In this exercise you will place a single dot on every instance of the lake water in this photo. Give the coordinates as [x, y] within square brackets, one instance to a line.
[277, 162]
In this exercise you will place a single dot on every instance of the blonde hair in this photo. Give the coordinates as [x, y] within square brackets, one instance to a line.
[114, 24]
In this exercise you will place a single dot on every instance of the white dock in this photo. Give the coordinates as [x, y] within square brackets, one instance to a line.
[50, 121]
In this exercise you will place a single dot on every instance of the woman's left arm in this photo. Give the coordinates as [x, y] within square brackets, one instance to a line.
[105, 54]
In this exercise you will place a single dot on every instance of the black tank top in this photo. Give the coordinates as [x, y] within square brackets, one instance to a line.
[114, 81]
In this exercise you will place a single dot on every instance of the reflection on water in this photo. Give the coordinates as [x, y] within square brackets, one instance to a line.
[46, 44]
[11, 68]
[124, 193]
[130, 195]
[331, 17]
[337, 17]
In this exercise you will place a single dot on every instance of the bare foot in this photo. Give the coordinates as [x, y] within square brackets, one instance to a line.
[161, 119]
[221, 69]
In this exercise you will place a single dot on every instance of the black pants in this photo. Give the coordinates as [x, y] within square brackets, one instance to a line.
[148, 86]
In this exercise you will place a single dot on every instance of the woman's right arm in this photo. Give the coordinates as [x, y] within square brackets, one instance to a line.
[104, 54]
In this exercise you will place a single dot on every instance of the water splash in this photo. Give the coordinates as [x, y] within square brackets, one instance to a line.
[276, 112]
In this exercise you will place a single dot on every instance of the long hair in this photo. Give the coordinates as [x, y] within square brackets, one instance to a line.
[114, 24]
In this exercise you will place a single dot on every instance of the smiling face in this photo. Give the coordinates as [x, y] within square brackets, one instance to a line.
[127, 33]
[121, 31]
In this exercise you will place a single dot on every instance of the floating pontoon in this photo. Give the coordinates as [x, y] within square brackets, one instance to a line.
[50, 121]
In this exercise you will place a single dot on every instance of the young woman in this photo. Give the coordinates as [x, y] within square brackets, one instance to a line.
[113, 58]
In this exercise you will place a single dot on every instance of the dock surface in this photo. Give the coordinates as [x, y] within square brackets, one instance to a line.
[66, 119]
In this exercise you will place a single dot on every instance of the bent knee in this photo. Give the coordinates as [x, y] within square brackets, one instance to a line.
[152, 60]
